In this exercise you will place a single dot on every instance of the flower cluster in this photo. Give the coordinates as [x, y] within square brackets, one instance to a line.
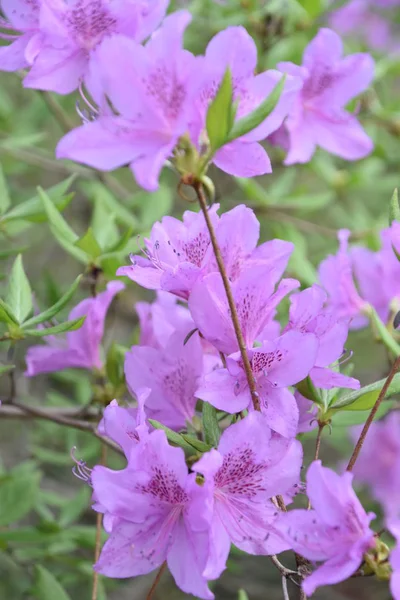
[152, 105]
[360, 278]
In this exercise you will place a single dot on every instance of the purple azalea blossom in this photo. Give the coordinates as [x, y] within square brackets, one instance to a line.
[378, 465]
[249, 467]
[255, 298]
[235, 48]
[308, 412]
[275, 366]
[377, 275]
[160, 514]
[336, 531]
[172, 373]
[394, 528]
[80, 348]
[160, 319]
[22, 16]
[178, 254]
[153, 92]
[159, 98]
[359, 17]
[307, 314]
[125, 426]
[71, 33]
[336, 276]
[318, 117]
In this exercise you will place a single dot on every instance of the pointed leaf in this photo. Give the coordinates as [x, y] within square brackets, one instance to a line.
[89, 244]
[242, 595]
[121, 244]
[196, 443]
[61, 328]
[394, 208]
[11, 251]
[219, 113]
[58, 224]
[6, 369]
[6, 314]
[258, 115]
[362, 398]
[17, 496]
[51, 312]
[46, 586]
[19, 294]
[175, 438]
[97, 190]
[5, 200]
[32, 209]
[212, 432]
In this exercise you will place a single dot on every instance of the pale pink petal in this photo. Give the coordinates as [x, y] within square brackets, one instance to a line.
[23, 14]
[280, 409]
[12, 57]
[47, 359]
[327, 379]
[235, 48]
[220, 389]
[57, 70]
[325, 49]
[333, 571]
[243, 159]
[340, 133]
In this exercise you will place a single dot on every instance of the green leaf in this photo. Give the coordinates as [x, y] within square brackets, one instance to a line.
[89, 244]
[103, 225]
[11, 251]
[61, 328]
[384, 334]
[73, 509]
[121, 244]
[153, 206]
[242, 595]
[175, 438]
[18, 496]
[19, 293]
[6, 314]
[58, 224]
[46, 586]
[366, 396]
[96, 190]
[313, 7]
[6, 369]
[5, 200]
[32, 209]
[51, 312]
[196, 443]
[219, 114]
[115, 364]
[394, 208]
[257, 116]
[211, 428]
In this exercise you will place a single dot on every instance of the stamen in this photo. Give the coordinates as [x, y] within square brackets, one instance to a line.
[93, 109]
[343, 358]
[80, 470]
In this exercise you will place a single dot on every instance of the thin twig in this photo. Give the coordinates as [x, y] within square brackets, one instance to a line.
[99, 521]
[285, 588]
[66, 125]
[383, 392]
[67, 422]
[284, 571]
[234, 315]
[317, 449]
[10, 411]
[156, 581]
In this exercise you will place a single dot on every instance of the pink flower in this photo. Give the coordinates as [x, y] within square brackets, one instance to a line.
[22, 16]
[329, 83]
[160, 97]
[250, 466]
[275, 366]
[160, 319]
[378, 464]
[255, 298]
[235, 48]
[307, 314]
[172, 373]
[161, 514]
[125, 426]
[336, 531]
[80, 348]
[307, 413]
[178, 254]
[71, 32]
[336, 276]
[153, 92]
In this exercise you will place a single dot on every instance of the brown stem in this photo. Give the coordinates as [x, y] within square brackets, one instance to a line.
[66, 125]
[234, 316]
[383, 392]
[66, 422]
[156, 581]
[317, 449]
[285, 588]
[99, 521]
